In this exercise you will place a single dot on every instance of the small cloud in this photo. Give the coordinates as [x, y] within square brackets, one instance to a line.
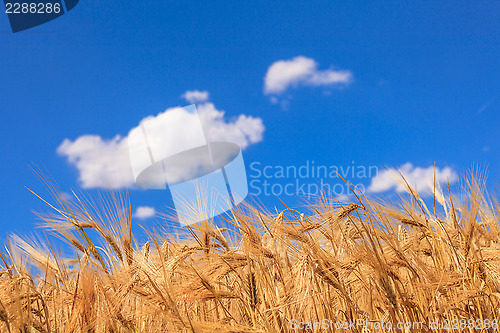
[301, 70]
[100, 162]
[196, 96]
[105, 163]
[65, 196]
[420, 179]
[144, 212]
[285, 104]
[342, 197]
[486, 149]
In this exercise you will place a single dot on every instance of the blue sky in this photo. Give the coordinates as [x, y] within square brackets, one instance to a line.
[424, 86]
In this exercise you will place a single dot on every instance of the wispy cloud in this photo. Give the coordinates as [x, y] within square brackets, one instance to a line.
[301, 70]
[420, 179]
[105, 163]
[196, 96]
[485, 106]
[144, 212]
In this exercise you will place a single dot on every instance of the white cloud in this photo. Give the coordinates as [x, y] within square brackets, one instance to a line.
[196, 96]
[301, 70]
[144, 212]
[243, 130]
[100, 162]
[420, 179]
[105, 163]
[342, 197]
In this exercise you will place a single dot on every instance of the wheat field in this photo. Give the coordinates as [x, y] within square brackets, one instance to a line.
[429, 263]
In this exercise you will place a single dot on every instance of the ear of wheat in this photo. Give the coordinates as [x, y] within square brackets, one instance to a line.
[365, 260]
